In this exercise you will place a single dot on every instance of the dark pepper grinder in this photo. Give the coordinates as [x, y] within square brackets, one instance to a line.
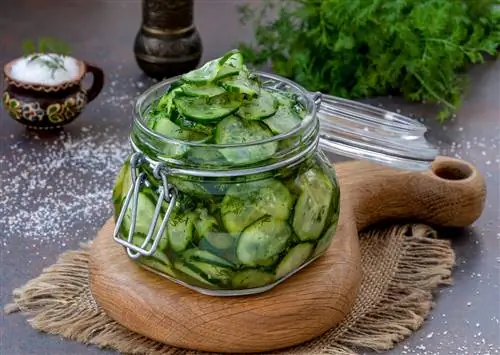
[167, 43]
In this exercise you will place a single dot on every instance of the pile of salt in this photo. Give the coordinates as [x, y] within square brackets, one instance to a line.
[36, 71]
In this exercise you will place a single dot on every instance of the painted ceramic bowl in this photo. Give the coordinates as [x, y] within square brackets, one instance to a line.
[45, 92]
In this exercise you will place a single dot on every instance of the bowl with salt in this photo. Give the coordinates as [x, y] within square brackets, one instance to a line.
[44, 91]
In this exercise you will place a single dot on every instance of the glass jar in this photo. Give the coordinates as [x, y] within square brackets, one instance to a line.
[238, 219]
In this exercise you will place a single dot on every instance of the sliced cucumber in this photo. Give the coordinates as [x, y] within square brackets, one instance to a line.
[205, 256]
[220, 240]
[158, 255]
[213, 273]
[313, 205]
[326, 239]
[229, 64]
[259, 107]
[247, 202]
[189, 186]
[169, 129]
[241, 84]
[193, 272]
[192, 126]
[157, 265]
[180, 231]
[283, 120]
[122, 183]
[262, 242]
[145, 212]
[251, 278]
[205, 110]
[204, 222]
[206, 73]
[233, 130]
[207, 90]
[205, 155]
[293, 259]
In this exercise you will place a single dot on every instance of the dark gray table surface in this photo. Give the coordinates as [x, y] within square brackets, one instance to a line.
[56, 187]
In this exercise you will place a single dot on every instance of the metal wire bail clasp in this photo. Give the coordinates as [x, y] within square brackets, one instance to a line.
[165, 193]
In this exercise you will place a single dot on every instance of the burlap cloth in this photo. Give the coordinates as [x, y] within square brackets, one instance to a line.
[402, 266]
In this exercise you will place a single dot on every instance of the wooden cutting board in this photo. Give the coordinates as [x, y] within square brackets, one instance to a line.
[309, 303]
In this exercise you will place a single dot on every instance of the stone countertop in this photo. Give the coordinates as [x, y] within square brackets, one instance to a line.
[56, 186]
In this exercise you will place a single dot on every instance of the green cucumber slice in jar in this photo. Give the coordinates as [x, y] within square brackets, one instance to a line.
[194, 273]
[207, 90]
[208, 229]
[180, 231]
[245, 203]
[283, 120]
[205, 256]
[158, 255]
[145, 212]
[229, 64]
[261, 243]
[241, 84]
[313, 205]
[251, 278]
[259, 107]
[205, 110]
[233, 130]
[294, 259]
[324, 241]
[193, 126]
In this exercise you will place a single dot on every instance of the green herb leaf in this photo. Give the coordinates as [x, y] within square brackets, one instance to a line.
[358, 49]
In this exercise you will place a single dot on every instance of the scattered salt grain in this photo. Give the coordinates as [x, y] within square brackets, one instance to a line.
[56, 193]
[35, 71]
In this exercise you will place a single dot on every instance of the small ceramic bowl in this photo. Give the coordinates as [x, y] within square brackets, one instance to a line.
[46, 105]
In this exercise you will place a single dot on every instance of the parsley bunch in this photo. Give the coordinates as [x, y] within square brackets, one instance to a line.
[365, 48]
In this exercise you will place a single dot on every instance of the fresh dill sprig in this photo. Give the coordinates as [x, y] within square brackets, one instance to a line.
[47, 51]
[419, 49]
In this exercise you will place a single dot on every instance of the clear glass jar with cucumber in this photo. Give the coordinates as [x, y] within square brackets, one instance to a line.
[227, 190]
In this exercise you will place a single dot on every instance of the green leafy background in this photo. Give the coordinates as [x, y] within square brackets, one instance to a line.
[355, 49]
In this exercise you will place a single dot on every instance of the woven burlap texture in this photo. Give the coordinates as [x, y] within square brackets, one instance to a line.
[402, 266]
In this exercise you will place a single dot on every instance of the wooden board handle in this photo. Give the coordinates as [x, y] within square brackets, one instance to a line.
[451, 194]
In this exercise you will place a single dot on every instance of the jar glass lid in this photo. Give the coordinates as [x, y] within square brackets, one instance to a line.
[362, 131]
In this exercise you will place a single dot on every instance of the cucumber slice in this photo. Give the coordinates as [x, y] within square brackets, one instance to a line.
[213, 273]
[313, 205]
[189, 186]
[180, 231]
[206, 73]
[262, 242]
[205, 256]
[235, 130]
[207, 90]
[229, 64]
[233, 58]
[219, 240]
[122, 183]
[169, 129]
[207, 110]
[283, 121]
[159, 266]
[251, 278]
[193, 273]
[325, 240]
[158, 255]
[192, 126]
[241, 84]
[245, 203]
[204, 156]
[204, 222]
[260, 107]
[293, 259]
[145, 212]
